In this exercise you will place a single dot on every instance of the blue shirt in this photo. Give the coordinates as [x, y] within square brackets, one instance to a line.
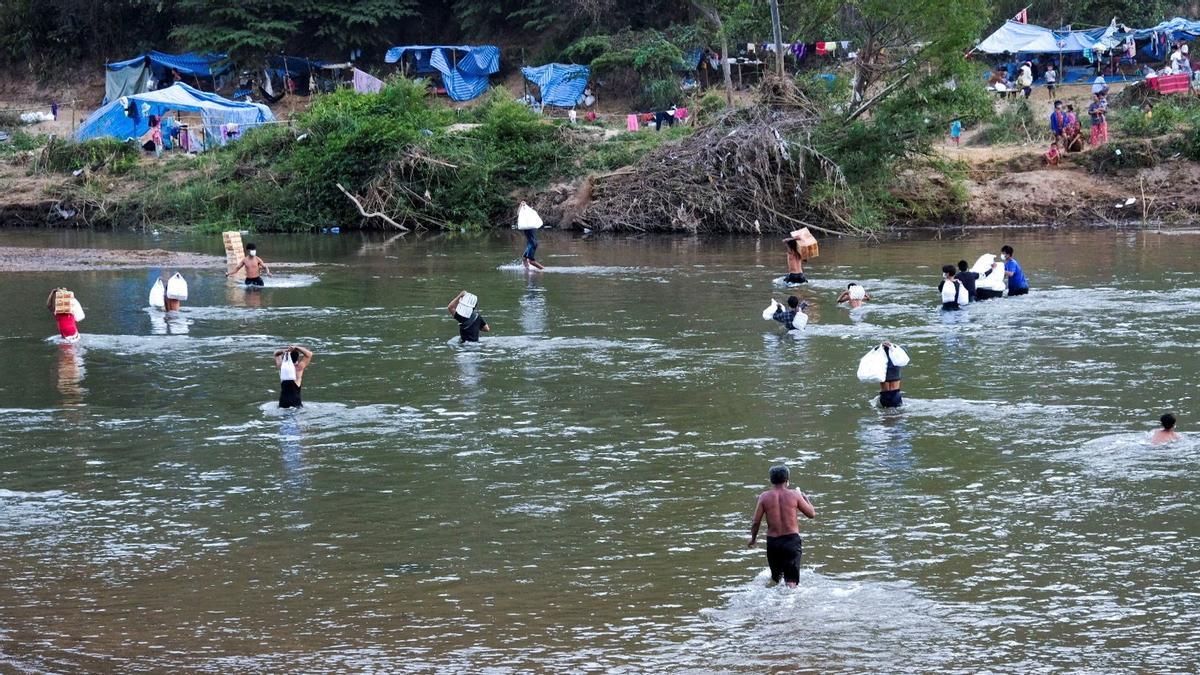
[1017, 280]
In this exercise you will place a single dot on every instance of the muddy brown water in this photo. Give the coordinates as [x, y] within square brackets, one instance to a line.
[574, 494]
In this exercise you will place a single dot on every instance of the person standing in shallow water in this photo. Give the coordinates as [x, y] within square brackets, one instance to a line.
[1017, 283]
[889, 389]
[291, 361]
[779, 506]
[254, 266]
[795, 263]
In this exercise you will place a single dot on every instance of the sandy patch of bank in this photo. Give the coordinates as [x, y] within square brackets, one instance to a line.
[28, 259]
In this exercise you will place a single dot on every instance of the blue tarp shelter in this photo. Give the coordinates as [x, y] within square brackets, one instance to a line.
[112, 120]
[124, 78]
[464, 69]
[1179, 29]
[1021, 38]
[561, 84]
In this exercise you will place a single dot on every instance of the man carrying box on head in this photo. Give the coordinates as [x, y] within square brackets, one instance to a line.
[67, 311]
[800, 247]
[470, 322]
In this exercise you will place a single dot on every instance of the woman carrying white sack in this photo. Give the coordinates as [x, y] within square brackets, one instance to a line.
[882, 364]
[528, 221]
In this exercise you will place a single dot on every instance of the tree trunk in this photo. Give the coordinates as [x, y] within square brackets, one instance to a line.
[777, 30]
[711, 13]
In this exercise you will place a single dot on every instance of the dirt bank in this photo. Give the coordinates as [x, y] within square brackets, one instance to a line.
[22, 259]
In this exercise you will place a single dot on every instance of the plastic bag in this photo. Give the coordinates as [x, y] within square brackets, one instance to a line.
[872, 367]
[466, 305]
[177, 287]
[158, 295]
[990, 282]
[769, 312]
[857, 292]
[899, 356]
[527, 218]
[76, 310]
[287, 369]
[799, 321]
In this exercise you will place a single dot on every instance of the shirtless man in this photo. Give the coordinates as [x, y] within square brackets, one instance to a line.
[254, 267]
[854, 295]
[1167, 433]
[779, 505]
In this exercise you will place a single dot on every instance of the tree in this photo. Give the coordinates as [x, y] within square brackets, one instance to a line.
[713, 15]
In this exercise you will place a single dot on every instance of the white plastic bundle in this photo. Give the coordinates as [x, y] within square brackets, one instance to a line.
[993, 281]
[799, 321]
[177, 287]
[769, 312]
[76, 310]
[466, 305]
[158, 295]
[857, 292]
[287, 369]
[899, 356]
[872, 367]
[527, 218]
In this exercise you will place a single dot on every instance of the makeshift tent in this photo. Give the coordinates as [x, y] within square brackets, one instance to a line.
[215, 113]
[1179, 29]
[561, 84]
[1015, 37]
[298, 69]
[464, 69]
[124, 78]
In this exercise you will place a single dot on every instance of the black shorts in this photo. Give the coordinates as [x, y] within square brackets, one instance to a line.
[1018, 291]
[254, 281]
[289, 394]
[783, 556]
[950, 307]
[795, 278]
[890, 399]
[985, 294]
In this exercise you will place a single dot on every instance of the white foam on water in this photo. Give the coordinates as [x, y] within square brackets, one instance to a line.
[288, 281]
[597, 270]
[212, 313]
[1130, 456]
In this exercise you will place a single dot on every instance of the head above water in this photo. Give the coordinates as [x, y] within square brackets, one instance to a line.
[251, 250]
[962, 266]
[793, 302]
[1168, 421]
[1006, 251]
[949, 270]
[779, 475]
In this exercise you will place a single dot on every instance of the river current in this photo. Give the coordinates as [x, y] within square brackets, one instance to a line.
[574, 494]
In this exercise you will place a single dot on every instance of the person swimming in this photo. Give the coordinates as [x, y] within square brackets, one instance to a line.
[779, 506]
[854, 295]
[1167, 433]
[292, 362]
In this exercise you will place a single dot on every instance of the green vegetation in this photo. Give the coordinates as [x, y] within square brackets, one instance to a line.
[1014, 124]
[626, 149]
[395, 149]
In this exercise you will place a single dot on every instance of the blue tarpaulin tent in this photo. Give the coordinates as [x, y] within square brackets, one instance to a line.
[464, 69]
[1179, 29]
[132, 76]
[1015, 37]
[561, 84]
[215, 112]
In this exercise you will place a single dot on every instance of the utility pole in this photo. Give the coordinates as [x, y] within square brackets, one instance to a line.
[778, 30]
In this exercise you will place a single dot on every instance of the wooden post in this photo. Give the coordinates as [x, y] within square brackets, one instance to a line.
[234, 253]
[778, 31]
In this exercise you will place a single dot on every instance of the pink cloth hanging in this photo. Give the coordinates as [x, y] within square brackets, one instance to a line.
[365, 83]
[681, 113]
[631, 122]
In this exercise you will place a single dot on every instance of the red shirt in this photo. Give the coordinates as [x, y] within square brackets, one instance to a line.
[66, 325]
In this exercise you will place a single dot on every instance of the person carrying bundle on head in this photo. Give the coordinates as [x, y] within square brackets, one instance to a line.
[800, 247]
[67, 312]
[854, 295]
[291, 362]
[470, 322]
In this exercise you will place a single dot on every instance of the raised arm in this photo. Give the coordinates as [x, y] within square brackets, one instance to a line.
[805, 506]
[454, 303]
[306, 357]
[759, 512]
[50, 300]
[844, 297]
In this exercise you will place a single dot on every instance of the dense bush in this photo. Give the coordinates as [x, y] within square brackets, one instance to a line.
[59, 156]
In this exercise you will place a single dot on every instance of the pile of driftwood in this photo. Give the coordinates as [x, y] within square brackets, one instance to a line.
[749, 171]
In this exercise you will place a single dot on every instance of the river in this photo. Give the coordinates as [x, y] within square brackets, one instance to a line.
[575, 493]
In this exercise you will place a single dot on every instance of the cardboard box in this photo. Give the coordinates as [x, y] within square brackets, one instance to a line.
[62, 301]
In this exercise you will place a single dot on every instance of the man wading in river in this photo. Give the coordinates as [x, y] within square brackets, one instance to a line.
[780, 505]
[254, 265]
